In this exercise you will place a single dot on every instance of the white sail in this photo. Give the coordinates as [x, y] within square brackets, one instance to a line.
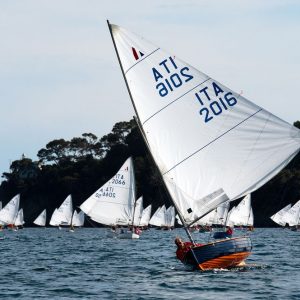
[78, 219]
[220, 215]
[242, 213]
[113, 203]
[9, 212]
[170, 217]
[207, 219]
[63, 214]
[138, 210]
[146, 215]
[279, 216]
[158, 219]
[210, 143]
[41, 219]
[293, 214]
[230, 217]
[20, 218]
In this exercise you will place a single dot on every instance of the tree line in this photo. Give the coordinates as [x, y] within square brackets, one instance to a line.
[83, 164]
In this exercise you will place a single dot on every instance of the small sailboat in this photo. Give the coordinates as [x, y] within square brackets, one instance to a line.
[41, 219]
[62, 216]
[279, 217]
[169, 218]
[292, 216]
[77, 220]
[19, 222]
[9, 212]
[146, 215]
[159, 217]
[210, 144]
[113, 204]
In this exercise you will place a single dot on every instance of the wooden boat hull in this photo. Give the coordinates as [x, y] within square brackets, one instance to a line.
[221, 254]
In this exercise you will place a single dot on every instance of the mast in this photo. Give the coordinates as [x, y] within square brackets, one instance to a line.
[144, 136]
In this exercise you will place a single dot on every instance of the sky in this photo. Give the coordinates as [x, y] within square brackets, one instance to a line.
[60, 78]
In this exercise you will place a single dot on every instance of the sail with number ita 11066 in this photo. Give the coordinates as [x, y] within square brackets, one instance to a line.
[210, 144]
[113, 203]
[41, 219]
[9, 212]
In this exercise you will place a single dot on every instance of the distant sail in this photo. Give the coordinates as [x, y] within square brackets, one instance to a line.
[170, 217]
[292, 216]
[41, 219]
[138, 210]
[210, 144]
[63, 214]
[78, 219]
[20, 218]
[9, 212]
[146, 215]
[113, 203]
[158, 218]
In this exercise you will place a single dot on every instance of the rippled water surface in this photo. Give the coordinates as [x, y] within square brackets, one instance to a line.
[56, 264]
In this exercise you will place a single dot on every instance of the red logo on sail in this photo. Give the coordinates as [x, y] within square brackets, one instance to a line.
[137, 54]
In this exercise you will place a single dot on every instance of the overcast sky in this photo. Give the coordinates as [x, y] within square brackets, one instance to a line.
[59, 75]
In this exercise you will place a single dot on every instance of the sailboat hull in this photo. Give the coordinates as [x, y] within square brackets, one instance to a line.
[221, 254]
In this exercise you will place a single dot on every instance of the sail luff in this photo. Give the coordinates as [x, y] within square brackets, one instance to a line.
[144, 135]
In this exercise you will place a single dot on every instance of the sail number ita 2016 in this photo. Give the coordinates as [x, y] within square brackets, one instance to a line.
[214, 101]
[169, 77]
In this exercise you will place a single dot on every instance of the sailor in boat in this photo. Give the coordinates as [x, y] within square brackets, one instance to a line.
[183, 248]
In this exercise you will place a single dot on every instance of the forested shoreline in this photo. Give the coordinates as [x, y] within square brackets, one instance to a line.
[80, 166]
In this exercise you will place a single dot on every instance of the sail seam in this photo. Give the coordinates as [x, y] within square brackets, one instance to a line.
[141, 60]
[213, 141]
[175, 100]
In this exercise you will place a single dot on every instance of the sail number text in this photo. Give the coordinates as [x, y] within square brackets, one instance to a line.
[214, 101]
[106, 192]
[169, 77]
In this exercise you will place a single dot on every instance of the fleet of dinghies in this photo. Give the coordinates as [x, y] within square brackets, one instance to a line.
[289, 215]
[163, 218]
[223, 148]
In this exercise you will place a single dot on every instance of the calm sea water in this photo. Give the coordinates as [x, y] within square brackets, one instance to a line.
[39, 263]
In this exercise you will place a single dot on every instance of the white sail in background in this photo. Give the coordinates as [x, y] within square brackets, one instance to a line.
[63, 214]
[293, 214]
[66, 211]
[146, 215]
[113, 203]
[170, 217]
[9, 212]
[209, 143]
[158, 219]
[230, 217]
[20, 218]
[207, 219]
[220, 215]
[279, 216]
[242, 213]
[41, 219]
[138, 210]
[78, 219]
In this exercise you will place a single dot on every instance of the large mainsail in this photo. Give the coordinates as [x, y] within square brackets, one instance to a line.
[113, 203]
[41, 219]
[9, 212]
[209, 143]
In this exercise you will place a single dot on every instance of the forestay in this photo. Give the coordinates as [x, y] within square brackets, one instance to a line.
[113, 203]
[41, 219]
[9, 212]
[210, 143]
